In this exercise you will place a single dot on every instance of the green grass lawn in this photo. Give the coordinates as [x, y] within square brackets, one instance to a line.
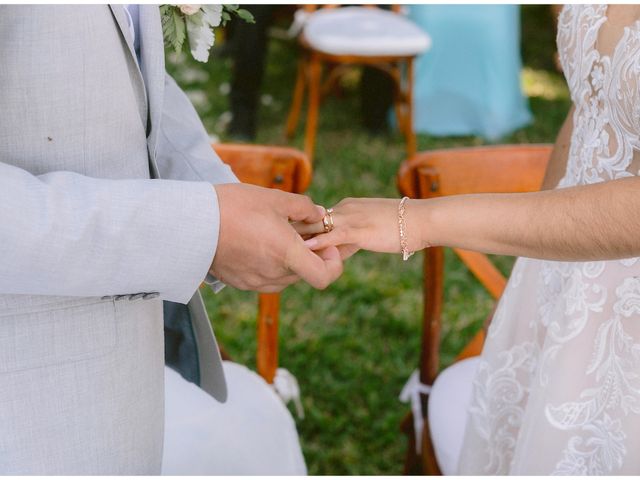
[353, 346]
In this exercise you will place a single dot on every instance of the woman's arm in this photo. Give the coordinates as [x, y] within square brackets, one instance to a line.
[594, 222]
[581, 223]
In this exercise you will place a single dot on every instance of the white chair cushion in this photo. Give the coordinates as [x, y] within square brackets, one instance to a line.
[253, 433]
[364, 31]
[448, 404]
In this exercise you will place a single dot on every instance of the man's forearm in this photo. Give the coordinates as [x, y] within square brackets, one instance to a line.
[591, 222]
[71, 235]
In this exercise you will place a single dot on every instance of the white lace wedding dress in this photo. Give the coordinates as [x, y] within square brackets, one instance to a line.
[558, 386]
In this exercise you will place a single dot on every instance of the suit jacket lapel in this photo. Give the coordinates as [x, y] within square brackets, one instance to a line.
[138, 82]
[153, 69]
[121, 19]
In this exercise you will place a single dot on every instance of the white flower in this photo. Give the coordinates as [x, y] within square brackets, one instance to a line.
[195, 23]
[212, 14]
[201, 37]
[190, 8]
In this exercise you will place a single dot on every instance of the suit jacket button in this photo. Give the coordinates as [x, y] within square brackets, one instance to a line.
[150, 296]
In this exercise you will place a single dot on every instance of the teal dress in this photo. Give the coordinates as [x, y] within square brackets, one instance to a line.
[468, 83]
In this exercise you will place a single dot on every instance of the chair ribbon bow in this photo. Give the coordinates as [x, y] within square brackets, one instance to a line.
[300, 18]
[411, 393]
[286, 386]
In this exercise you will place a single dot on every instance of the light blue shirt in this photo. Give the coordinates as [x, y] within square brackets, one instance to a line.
[133, 17]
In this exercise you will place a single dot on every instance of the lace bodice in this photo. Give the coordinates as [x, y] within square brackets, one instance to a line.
[605, 92]
[558, 386]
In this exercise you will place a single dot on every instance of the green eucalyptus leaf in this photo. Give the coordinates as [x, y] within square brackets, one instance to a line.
[246, 15]
[180, 30]
[176, 26]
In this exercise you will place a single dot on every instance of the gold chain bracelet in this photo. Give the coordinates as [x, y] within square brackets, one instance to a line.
[402, 226]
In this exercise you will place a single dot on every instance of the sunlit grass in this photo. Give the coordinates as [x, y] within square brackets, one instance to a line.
[544, 84]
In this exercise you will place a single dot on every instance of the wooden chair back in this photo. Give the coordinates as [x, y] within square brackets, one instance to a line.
[285, 169]
[494, 169]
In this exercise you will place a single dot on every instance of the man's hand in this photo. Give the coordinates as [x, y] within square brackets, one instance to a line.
[259, 250]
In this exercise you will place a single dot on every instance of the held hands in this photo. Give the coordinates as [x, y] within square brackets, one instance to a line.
[261, 244]
[365, 223]
[258, 249]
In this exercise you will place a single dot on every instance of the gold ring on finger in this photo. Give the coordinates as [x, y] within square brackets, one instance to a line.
[327, 221]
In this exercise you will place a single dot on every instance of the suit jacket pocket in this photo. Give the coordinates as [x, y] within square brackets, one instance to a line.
[74, 330]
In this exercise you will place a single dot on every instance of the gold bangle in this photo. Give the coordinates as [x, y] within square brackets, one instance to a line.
[404, 247]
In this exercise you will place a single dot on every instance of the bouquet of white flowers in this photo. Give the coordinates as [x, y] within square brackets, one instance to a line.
[197, 23]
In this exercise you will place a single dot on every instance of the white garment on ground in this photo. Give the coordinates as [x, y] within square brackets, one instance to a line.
[558, 386]
[448, 403]
[253, 433]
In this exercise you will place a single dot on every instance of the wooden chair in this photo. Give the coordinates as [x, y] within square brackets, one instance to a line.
[272, 167]
[341, 37]
[498, 169]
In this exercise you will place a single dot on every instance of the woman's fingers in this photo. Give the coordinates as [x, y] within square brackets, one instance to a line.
[370, 224]
[305, 229]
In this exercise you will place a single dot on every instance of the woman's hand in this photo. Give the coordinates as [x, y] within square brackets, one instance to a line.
[364, 223]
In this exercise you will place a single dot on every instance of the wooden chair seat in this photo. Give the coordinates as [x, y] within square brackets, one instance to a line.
[285, 169]
[364, 32]
[494, 169]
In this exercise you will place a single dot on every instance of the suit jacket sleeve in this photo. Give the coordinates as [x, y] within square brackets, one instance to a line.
[184, 149]
[67, 234]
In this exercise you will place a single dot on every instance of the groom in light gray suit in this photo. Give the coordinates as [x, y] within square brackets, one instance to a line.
[111, 202]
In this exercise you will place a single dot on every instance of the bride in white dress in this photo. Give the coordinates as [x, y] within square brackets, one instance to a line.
[558, 387]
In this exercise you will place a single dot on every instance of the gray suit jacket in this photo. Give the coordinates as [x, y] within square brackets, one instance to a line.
[106, 211]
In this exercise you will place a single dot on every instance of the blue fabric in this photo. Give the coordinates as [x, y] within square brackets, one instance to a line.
[180, 344]
[468, 83]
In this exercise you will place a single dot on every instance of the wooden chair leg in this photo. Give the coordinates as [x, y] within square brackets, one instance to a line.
[410, 134]
[412, 464]
[433, 293]
[429, 461]
[330, 85]
[298, 97]
[425, 462]
[223, 353]
[267, 356]
[315, 74]
[398, 98]
[485, 271]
